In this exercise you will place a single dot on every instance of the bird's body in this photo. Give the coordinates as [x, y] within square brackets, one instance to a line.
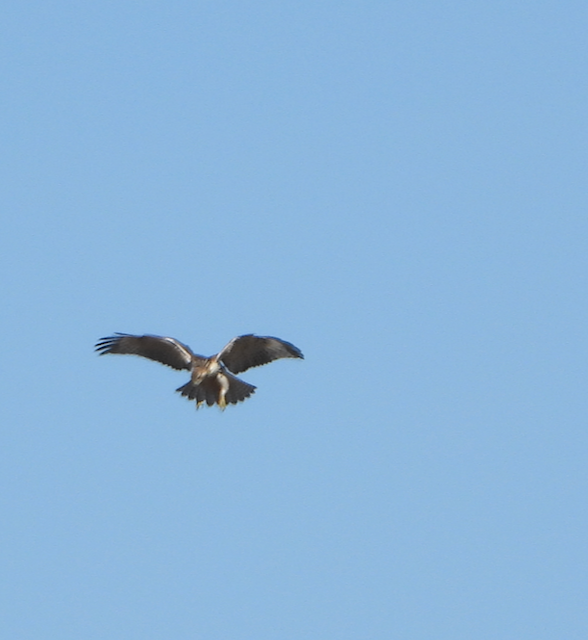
[212, 380]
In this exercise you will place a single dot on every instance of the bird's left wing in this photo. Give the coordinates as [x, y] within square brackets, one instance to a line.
[248, 351]
[168, 351]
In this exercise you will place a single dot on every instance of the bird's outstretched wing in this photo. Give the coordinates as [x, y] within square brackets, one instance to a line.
[168, 351]
[248, 351]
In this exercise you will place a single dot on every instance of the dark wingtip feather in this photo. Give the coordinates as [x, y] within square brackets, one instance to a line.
[105, 345]
[295, 351]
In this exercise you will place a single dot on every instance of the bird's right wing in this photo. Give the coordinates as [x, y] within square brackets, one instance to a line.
[248, 351]
[168, 351]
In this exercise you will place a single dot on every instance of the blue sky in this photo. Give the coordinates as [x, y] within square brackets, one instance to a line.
[397, 188]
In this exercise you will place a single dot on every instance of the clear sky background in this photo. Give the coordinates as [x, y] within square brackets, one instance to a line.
[399, 189]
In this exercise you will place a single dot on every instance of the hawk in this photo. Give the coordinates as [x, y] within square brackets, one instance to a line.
[212, 380]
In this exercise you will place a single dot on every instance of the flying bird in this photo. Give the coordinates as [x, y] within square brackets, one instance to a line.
[212, 380]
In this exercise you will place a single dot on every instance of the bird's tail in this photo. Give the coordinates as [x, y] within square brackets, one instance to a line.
[212, 391]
